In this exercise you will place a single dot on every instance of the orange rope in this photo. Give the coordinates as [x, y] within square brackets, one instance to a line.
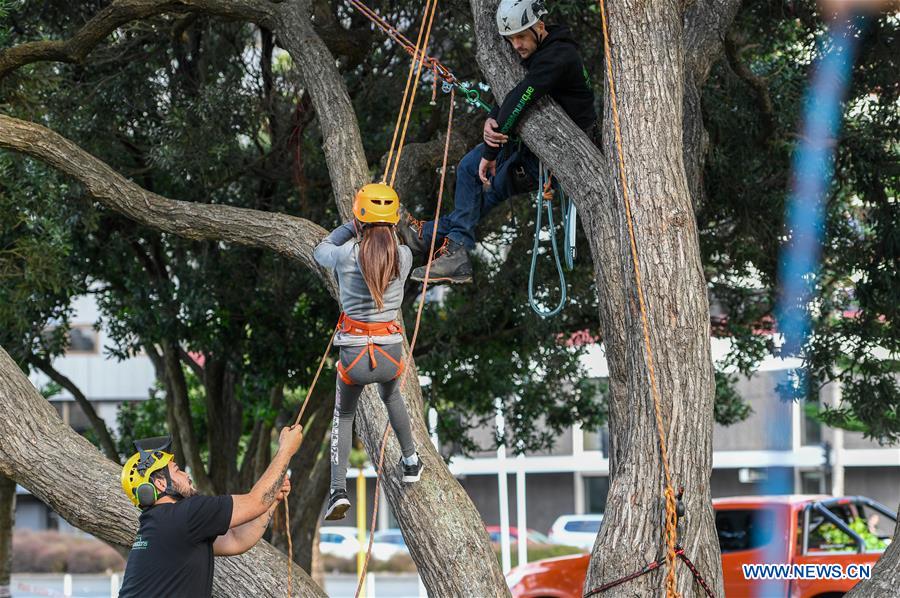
[671, 512]
[409, 91]
[287, 512]
[287, 531]
[412, 344]
[409, 107]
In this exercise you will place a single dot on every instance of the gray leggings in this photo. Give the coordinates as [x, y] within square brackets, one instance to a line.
[385, 375]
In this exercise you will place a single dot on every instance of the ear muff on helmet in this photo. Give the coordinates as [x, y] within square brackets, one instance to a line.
[152, 456]
[146, 495]
[377, 203]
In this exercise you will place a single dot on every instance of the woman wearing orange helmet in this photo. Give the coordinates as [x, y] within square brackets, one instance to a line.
[371, 268]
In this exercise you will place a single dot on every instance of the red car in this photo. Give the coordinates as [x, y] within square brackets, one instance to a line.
[838, 532]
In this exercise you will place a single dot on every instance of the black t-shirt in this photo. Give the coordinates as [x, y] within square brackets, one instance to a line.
[172, 555]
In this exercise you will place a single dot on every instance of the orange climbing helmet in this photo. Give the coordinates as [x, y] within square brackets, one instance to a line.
[377, 203]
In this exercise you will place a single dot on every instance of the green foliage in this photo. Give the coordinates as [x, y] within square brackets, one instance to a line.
[837, 539]
[751, 115]
[37, 270]
[190, 109]
[729, 407]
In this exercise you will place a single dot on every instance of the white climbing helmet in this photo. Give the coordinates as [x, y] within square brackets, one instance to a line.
[514, 16]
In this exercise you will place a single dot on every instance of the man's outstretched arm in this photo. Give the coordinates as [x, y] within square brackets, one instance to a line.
[242, 538]
[261, 497]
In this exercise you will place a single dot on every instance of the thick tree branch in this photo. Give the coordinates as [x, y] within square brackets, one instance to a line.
[119, 13]
[757, 84]
[97, 423]
[286, 235]
[705, 25]
[44, 455]
[181, 410]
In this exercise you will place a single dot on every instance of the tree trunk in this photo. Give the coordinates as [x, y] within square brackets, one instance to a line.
[885, 576]
[67, 472]
[649, 67]
[181, 412]
[7, 521]
[224, 423]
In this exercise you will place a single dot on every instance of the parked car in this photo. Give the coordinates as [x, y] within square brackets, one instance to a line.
[576, 530]
[534, 537]
[829, 531]
[339, 541]
[388, 543]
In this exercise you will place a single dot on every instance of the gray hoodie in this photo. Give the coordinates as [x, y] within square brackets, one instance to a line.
[338, 252]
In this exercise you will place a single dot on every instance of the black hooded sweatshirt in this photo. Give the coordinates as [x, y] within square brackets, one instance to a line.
[554, 68]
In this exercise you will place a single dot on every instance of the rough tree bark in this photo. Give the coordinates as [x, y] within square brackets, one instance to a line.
[445, 534]
[656, 51]
[7, 521]
[885, 576]
[44, 455]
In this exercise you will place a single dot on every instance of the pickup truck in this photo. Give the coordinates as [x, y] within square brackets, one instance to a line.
[791, 529]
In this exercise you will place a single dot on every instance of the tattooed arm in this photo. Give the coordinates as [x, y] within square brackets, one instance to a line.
[261, 497]
[242, 538]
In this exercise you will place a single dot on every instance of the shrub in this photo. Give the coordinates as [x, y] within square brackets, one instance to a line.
[537, 552]
[53, 552]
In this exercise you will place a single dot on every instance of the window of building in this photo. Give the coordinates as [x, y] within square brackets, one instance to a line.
[598, 440]
[810, 429]
[82, 339]
[744, 529]
[596, 490]
[812, 482]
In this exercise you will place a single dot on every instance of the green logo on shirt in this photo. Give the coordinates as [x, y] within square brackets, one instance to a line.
[140, 544]
[529, 91]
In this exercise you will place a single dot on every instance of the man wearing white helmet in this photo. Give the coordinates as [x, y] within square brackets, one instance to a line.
[485, 176]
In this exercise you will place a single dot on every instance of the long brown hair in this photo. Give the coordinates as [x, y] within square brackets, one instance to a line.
[378, 260]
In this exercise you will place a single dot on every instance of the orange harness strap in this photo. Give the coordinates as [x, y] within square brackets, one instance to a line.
[368, 329]
[348, 325]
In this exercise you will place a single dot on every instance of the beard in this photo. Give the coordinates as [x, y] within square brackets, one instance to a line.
[186, 490]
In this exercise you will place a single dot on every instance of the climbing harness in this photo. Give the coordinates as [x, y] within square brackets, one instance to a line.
[348, 325]
[544, 200]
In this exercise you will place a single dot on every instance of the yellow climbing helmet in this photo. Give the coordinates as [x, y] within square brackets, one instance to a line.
[153, 455]
[377, 203]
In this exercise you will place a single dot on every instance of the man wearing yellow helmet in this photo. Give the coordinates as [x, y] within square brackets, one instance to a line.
[496, 170]
[180, 530]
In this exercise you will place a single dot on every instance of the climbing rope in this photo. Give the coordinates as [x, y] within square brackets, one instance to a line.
[671, 520]
[409, 93]
[287, 509]
[438, 69]
[543, 199]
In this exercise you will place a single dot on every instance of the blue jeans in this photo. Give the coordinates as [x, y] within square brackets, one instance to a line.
[472, 200]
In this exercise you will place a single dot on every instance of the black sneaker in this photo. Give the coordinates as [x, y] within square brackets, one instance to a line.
[412, 473]
[338, 505]
[451, 264]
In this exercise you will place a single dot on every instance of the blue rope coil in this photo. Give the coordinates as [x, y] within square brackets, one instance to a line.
[569, 216]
